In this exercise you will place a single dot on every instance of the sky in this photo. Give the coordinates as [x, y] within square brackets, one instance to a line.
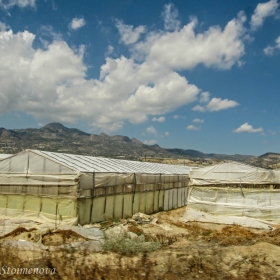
[202, 75]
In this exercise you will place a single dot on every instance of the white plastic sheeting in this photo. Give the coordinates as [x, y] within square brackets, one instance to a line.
[3, 156]
[29, 162]
[37, 208]
[255, 203]
[234, 193]
[192, 215]
[98, 164]
[36, 231]
[232, 173]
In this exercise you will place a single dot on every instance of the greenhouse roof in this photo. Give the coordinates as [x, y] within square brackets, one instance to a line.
[3, 156]
[99, 164]
[231, 173]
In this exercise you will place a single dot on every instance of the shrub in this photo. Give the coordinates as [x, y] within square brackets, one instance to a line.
[123, 243]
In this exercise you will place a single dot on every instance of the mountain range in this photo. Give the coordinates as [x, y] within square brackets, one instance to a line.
[56, 137]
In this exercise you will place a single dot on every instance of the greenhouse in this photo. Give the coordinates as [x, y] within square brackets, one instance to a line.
[3, 156]
[65, 188]
[234, 190]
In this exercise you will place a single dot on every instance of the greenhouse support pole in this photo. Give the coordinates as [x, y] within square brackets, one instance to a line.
[134, 190]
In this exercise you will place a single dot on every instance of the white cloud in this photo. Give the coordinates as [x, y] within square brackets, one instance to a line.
[21, 3]
[110, 50]
[166, 133]
[269, 50]
[77, 23]
[175, 117]
[185, 49]
[51, 83]
[160, 119]
[199, 108]
[129, 35]
[170, 15]
[278, 42]
[150, 142]
[247, 128]
[151, 129]
[204, 97]
[198, 121]
[192, 127]
[3, 26]
[48, 31]
[160, 98]
[262, 11]
[217, 104]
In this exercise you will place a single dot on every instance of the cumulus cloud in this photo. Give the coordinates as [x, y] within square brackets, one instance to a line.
[51, 84]
[110, 50]
[217, 104]
[185, 49]
[204, 97]
[269, 50]
[170, 15]
[20, 3]
[160, 119]
[278, 42]
[192, 127]
[166, 133]
[150, 142]
[262, 11]
[198, 121]
[129, 34]
[199, 108]
[151, 129]
[3, 26]
[247, 128]
[77, 23]
[175, 117]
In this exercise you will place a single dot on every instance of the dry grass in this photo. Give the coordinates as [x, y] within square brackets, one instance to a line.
[61, 238]
[135, 229]
[231, 235]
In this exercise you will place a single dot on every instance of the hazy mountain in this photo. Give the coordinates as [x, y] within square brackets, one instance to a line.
[58, 138]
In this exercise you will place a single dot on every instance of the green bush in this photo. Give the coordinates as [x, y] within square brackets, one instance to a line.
[124, 244]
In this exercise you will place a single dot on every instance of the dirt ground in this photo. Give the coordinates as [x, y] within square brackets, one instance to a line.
[188, 251]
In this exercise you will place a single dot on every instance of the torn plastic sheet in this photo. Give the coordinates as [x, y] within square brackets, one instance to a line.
[39, 250]
[192, 215]
[8, 226]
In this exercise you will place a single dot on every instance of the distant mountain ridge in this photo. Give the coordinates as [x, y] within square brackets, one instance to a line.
[197, 154]
[56, 137]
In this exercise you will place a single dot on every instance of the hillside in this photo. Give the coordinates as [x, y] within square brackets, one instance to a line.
[267, 160]
[196, 154]
[58, 138]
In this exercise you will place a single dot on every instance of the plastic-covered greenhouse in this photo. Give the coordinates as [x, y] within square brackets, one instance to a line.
[234, 189]
[65, 188]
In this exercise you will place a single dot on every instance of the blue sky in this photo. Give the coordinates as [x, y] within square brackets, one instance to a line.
[200, 75]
